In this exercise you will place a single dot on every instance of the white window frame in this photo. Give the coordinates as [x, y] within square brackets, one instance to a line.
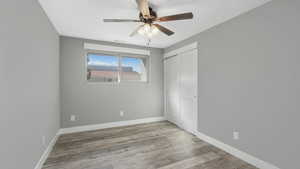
[119, 56]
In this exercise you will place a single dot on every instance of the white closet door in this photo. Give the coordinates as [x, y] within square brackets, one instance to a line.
[172, 89]
[188, 90]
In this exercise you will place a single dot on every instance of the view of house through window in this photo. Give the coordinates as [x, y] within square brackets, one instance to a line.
[105, 68]
[133, 69]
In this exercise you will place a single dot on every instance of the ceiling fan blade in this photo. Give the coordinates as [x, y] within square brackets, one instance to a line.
[136, 31]
[164, 30]
[176, 17]
[120, 20]
[144, 8]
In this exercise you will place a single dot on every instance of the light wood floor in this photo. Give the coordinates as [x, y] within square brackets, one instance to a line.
[159, 145]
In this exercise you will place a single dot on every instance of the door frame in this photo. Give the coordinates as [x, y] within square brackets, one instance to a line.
[175, 53]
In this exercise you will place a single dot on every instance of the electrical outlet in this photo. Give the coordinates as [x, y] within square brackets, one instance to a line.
[44, 140]
[121, 113]
[72, 118]
[236, 135]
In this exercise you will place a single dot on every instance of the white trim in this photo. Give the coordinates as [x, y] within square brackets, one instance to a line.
[109, 125]
[47, 152]
[182, 50]
[237, 153]
[91, 46]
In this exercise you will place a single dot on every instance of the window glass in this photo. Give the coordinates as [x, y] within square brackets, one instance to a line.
[102, 68]
[133, 69]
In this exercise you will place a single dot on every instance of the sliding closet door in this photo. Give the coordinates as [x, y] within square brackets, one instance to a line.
[172, 89]
[188, 90]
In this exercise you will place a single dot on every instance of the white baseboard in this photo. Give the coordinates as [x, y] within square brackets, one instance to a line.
[237, 153]
[46, 153]
[109, 125]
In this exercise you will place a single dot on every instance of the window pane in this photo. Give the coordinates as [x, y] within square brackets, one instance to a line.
[133, 69]
[102, 68]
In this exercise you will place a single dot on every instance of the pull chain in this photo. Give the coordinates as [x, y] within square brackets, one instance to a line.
[149, 41]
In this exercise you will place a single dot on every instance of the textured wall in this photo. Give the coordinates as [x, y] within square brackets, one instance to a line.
[249, 81]
[95, 103]
[29, 83]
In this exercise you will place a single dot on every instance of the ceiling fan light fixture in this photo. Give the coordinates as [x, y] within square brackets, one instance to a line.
[141, 31]
[148, 30]
[154, 30]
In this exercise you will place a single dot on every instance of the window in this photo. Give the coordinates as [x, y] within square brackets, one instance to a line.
[108, 68]
[102, 68]
[133, 69]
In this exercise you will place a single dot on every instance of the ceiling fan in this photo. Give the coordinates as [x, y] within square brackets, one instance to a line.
[148, 16]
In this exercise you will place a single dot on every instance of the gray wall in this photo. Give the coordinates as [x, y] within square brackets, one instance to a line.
[95, 103]
[29, 83]
[249, 81]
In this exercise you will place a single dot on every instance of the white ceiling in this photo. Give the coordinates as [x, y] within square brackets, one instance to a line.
[83, 18]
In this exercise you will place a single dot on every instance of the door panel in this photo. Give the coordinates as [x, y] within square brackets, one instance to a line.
[188, 90]
[188, 110]
[172, 90]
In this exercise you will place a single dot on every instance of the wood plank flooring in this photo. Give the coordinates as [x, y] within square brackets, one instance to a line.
[159, 145]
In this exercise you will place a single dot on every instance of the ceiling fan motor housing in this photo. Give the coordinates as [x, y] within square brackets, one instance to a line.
[153, 15]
